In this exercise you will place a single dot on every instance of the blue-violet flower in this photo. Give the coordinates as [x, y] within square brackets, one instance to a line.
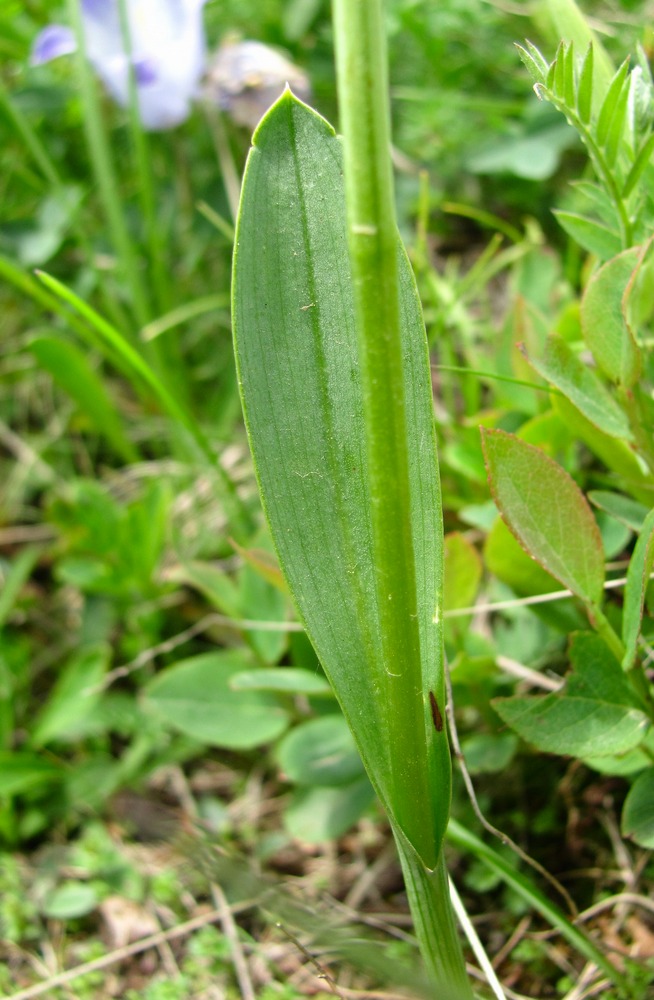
[167, 46]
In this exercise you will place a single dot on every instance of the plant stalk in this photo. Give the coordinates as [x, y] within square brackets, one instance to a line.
[362, 79]
[373, 246]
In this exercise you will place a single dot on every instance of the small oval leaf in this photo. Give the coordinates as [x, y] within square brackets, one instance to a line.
[547, 513]
[603, 323]
[196, 698]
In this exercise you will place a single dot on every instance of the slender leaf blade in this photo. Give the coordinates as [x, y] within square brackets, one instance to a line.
[297, 360]
[582, 387]
[585, 87]
[638, 574]
[590, 234]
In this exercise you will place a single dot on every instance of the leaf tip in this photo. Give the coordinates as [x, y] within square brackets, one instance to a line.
[289, 104]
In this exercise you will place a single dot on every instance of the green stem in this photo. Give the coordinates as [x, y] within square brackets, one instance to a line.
[103, 170]
[373, 248]
[30, 138]
[433, 920]
[156, 245]
[373, 244]
[600, 163]
[604, 628]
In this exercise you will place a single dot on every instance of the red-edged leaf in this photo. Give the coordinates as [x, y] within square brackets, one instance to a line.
[547, 513]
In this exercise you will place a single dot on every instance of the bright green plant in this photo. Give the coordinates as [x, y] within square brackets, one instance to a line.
[337, 398]
[605, 712]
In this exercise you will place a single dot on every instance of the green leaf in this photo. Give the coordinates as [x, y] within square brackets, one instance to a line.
[627, 763]
[638, 579]
[285, 680]
[595, 715]
[560, 366]
[298, 368]
[639, 166]
[219, 589]
[463, 572]
[195, 696]
[638, 810]
[73, 697]
[547, 512]
[318, 814]
[629, 512]
[69, 901]
[603, 322]
[617, 130]
[569, 76]
[71, 370]
[589, 234]
[616, 454]
[559, 79]
[320, 752]
[508, 561]
[489, 753]
[585, 87]
[261, 600]
[569, 22]
[21, 771]
[536, 64]
[611, 104]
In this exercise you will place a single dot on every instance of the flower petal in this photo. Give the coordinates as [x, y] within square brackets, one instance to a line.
[52, 42]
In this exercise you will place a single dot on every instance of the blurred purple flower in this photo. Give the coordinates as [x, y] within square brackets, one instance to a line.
[168, 53]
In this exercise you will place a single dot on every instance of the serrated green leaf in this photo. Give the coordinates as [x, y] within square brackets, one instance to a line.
[610, 104]
[590, 234]
[298, 368]
[638, 810]
[547, 512]
[585, 87]
[638, 578]
[595, 715]
[320, 752]
[195, 696]
[560, 366]
[603, 322]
